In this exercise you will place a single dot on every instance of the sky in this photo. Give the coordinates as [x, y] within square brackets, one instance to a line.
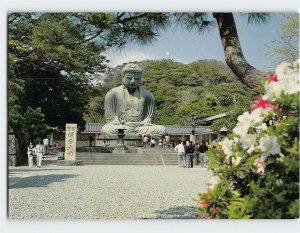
[188, 46]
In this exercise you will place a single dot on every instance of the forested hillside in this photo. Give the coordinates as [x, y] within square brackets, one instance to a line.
[201, 89]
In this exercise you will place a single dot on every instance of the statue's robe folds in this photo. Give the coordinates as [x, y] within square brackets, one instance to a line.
[135, 109]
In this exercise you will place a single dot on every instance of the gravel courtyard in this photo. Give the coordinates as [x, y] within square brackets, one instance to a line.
[104, 192]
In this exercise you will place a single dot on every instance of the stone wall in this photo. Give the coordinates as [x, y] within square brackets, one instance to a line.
[12, 150]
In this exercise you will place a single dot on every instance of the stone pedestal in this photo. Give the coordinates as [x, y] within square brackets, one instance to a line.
[192, 138]
[120, 148]
[129, 140]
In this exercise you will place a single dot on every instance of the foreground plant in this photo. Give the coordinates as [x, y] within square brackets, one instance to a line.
[256, 169]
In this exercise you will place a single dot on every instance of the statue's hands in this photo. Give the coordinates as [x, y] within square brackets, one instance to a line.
[116, 121]
[147, 121]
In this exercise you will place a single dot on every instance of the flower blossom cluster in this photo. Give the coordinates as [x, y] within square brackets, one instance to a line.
[251, 130]
[285, 80]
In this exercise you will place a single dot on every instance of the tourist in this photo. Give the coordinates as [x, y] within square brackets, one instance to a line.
[146, 140]
[164, 142]
[160, 145]
[189, 152]
[45, 146]
[167, 137]
[173, 144]
[180, 151]
[39, 154]
[153, 142]
[30, 152]
[196, 153]
[142, 140]
[61, 155]
[55, 143]
[91, 139]
[202, 153]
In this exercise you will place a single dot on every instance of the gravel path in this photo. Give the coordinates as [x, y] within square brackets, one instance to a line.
[104, 192]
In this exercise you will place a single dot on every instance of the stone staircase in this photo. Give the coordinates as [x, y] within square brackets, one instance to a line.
[149, 158]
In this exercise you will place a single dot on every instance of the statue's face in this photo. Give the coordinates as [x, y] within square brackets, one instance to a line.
[132, 79]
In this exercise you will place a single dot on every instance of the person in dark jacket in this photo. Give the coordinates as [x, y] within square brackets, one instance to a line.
[189, 151]
[202, 156]
[196, 152]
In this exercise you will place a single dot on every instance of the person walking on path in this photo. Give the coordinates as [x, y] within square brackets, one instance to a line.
[30, 152]
[45, 146]
[189, 151]
[167, 137]
[180, 151]
[91, 139]
[153, 142]
[39, 154]
[146, 140]
[196, 153]
[202, 155]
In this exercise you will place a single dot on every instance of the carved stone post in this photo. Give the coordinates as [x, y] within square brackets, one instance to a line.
[70, 146]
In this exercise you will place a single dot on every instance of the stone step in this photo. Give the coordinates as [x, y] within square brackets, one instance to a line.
[127, 159]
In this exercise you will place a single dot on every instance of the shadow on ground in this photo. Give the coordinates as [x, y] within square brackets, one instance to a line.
[12, 171]
[39, 181]
[178, 212]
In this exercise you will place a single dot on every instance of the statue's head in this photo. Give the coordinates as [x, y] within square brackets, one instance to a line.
[132, 75]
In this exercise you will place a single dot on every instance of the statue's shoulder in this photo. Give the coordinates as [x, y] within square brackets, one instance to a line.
[146, 92]
[115, 90]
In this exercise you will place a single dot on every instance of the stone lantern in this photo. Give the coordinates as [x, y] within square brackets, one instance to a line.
[223, 131]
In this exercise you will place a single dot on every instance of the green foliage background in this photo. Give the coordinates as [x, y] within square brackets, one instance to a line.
[201, 89]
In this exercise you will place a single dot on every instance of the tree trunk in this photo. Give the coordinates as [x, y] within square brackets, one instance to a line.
[233, 52]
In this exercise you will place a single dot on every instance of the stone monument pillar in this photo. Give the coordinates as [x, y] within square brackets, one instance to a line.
[70, 142]
[70, 146]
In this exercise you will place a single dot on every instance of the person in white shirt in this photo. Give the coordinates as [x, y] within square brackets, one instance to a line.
[180, 151]
[30, 152]
[39, 154]
[146, 141]
[153, 142]
[45, 146]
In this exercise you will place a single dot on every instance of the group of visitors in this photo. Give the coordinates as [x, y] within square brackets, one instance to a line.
[187, 151]
[39, 150]
[149, 141]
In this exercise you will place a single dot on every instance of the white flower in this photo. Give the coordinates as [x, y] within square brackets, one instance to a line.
[251, 149]
[288, 81]
[262, 127]
[273, 90]
[247, 120]
[269, 145]
[241, 129]
[235, 139]
[236, 161]
[227, 147]
[291, 85]
[247, 141]
[282, 70]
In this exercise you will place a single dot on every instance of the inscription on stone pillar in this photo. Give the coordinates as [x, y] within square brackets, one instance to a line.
[70, 141]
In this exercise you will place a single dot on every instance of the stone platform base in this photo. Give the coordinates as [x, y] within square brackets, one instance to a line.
[129, 140]
[69, 163]
[119, 151]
